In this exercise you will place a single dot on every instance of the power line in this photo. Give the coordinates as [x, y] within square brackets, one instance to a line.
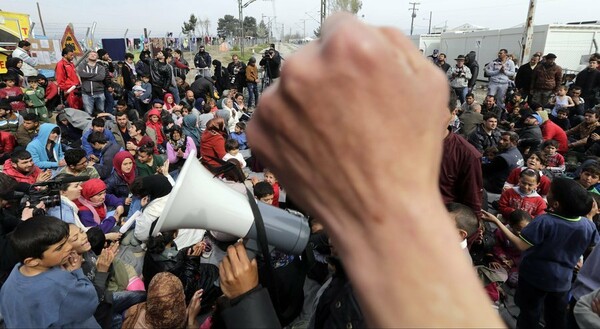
[413, 15]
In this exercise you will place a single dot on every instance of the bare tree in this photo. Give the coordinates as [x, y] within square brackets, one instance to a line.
[352, 6]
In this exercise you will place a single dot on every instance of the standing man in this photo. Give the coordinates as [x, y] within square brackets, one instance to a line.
[105, 60]
[589, 81]
[441, 62]
[472, 64]
[459, 77]
[203, 61]
[546, 79]
[67, 79]
[501, 71]
[524, 76]
[92, 84]
[237, 73]
[29, 63]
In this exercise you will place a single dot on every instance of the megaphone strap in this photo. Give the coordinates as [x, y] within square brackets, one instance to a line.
[261, 233]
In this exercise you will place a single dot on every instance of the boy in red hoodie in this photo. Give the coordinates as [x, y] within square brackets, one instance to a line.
[271, 179]
[523, 196]
[12, 94]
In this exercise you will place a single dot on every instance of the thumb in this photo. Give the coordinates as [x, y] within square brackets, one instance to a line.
[253, 263]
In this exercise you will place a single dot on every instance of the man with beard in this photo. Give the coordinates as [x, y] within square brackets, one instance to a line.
[203, 61]
[120, 129]
[161, 75]
[237, 73]
[28, 130]
[545, 80]
[496, 172]
[67, 79]
[525, 74]
[92, 84]
[500, 71]
[20, 166]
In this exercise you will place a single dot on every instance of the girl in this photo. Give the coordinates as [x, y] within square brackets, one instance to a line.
[123, 175]
[93, 206]
[154, 124]
[179, 148]
[536, 161]
[169, 103]
[523, 196]
[561, 100]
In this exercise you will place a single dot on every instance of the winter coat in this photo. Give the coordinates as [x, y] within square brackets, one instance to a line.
[116, 185]
[202, 60]
[29, 63]
[589, 81]
[498, 77]
[85, 145]
[212, 145]
[512, 199]
[7, 142]
[161, 75]
[551, 130]
[105, 164]
[142, 68]
[92, 78]
[462, 78]
[37, 148]
[9, 170]
[524, 77]
[546, 78]
[481, 140]
[472, 64]
[66, 75]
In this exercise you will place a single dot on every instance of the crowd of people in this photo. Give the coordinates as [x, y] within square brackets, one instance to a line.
[519, 178]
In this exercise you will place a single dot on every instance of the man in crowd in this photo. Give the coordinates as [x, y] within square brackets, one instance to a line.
[545, 80]
[501, 71]
[525, 75]
[496, 172]
[203, 61]
[28, 130]
[271, 62]
[485, 135]
[92, 77]
[589, 82]
[98, 125]
[490, 106]
[20, 166]
[29, 63]
[459, 77]
[68, 80]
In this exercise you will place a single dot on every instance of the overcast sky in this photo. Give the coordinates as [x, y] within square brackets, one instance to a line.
[114, 17]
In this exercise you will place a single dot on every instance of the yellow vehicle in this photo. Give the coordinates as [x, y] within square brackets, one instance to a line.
[13, 28]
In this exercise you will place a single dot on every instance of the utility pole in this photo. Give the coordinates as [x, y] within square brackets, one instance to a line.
[242, 32]
[304, 27]
[430, 15]
[323, 11]
[41, 21]
[528, 33]
[413, 15]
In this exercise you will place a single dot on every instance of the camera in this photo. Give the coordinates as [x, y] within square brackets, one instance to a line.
[47, 192]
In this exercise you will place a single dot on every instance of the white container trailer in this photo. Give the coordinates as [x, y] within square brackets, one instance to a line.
[427, 42]
[570, 43]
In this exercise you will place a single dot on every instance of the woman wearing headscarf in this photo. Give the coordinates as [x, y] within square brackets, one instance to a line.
[93, 206]
[179, 148]
[212, 146]
[189, 127]
[13, 67]
[123, 175]
[153, 191]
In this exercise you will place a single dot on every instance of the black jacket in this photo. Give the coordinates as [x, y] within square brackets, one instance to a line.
[472, 64]
[272, 65]
[523, 78]
[202, 88]
[588, 80]
[161, 74]
[202, 60]
[250, 310]
[105, 166]
[116, 186]
[237, 74]
[481, 140]
[8, 258]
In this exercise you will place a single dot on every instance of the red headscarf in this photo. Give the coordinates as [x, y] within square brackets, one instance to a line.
[168, 106]
[157, 126]
[118, 162]
[89, 189]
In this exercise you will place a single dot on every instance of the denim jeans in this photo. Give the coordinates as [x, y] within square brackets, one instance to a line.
[93, 102]
[532, 300]
[498, 90]
[109, 103]
[252, 94]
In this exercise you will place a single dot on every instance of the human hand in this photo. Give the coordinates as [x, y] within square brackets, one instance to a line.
[73, 262]
[237, 273]
[595, 136]
[44, 176]
[130, 146]
[28, 211]
[93, 158]
[119, 212]
[128, 201]
[197, 249]
[486, 216]
[495, 265]
[180, 153]
[194, 309]
[113, 236]
[106, 258]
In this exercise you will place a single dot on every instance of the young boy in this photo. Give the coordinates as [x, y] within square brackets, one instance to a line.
[551, 244]
[536, 161]
[263, 191]
[270, 178]
[556, 162]
[505, 252]
[13, 94]
[561, 100]
[35, 99]
[523, 196]
[562, 118]
[232, 147]
[240, 136]
[590, 177]
[47, 288]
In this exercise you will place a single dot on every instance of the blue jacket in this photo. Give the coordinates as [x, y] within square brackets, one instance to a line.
[55, 298]
[37, 148]
[89, 150]
[241, 139]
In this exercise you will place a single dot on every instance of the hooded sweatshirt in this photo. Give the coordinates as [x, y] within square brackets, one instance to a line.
[19, 176]
[37, 148]
[513, 199]
[92, 78]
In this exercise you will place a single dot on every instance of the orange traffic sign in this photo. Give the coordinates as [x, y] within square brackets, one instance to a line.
[69, 40]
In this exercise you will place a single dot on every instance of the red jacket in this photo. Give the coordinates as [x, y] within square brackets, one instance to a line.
[551, 130]
[212, 145]
[7, 142]
[512, 199]
[543, 188]
[20, 177]
[51, 90]
[66, 75]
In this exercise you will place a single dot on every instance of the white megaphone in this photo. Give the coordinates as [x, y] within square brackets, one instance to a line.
[200, 201]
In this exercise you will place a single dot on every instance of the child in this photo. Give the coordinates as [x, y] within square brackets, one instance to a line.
[505, 252]
[556, 162]
[239, 135]
[551, 246]
[517, 101]
[13, 94]
[35, 99]
[232, 147]
[263, 191]
[92, 206]
[562, 118]
[590, 177]
[270, 178]
[561, 100]
[524, 196]
[47, 288]
[536, 161]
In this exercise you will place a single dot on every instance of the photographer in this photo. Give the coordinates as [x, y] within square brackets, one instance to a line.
[459, 78]
[271, 62]
[10, 217]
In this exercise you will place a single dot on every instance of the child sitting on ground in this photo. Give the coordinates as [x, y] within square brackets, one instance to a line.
[562, 118]
[263, 191]
[93, 207]
[556, 162]
[35, 99]
[590, 177]
[523, 196]
[505, 252]
[536, 161]
[232, 147]
[47, 288]
[240, 135]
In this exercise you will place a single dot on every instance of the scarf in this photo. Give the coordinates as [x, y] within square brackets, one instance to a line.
[157, 126]
[189, 127]
[118, 161]
[89, 189]
[165, 305]
[168, 106]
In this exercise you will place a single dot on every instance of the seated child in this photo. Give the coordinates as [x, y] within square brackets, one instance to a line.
[263, 191]
[590, 177]
[240, 135]
[505, 252]
[47, 288]
[232, 147]
[93, 206]
[562, 118]
[561, 100]
[271, 179]
[552, 245]
[523, 196]
[536, 161]
[556, 162]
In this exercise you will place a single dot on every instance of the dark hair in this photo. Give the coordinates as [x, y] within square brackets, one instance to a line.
[530, 173]
[97, 137]
[464, 216]
[178, 51]
[56, 130]
[262, 189]
[592, 169]
[518, 216]
[573, 200]
[592, 110]
[491, 96]
[452, 101]
[20, 155]
[73, 156]
[563, 110]
[66, 50]
[234, 173]
[23, 43]
[96, 238]
[32, 79]
[504, 50]
[543, 158]
[147, 148]
[140, 126]
[157, 244]
[231, 144]
[31, 117]
[128, 55]
[470, 95]
[576, 88]
[206, 108]
[34, 236]
[514, 137]
[120, 114]
[61, 176]
[550, 142]
[489, 115]
[7, 186]
[98, 122]
[122, 102]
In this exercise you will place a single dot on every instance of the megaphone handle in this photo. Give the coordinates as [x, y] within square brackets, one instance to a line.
[261, 233]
